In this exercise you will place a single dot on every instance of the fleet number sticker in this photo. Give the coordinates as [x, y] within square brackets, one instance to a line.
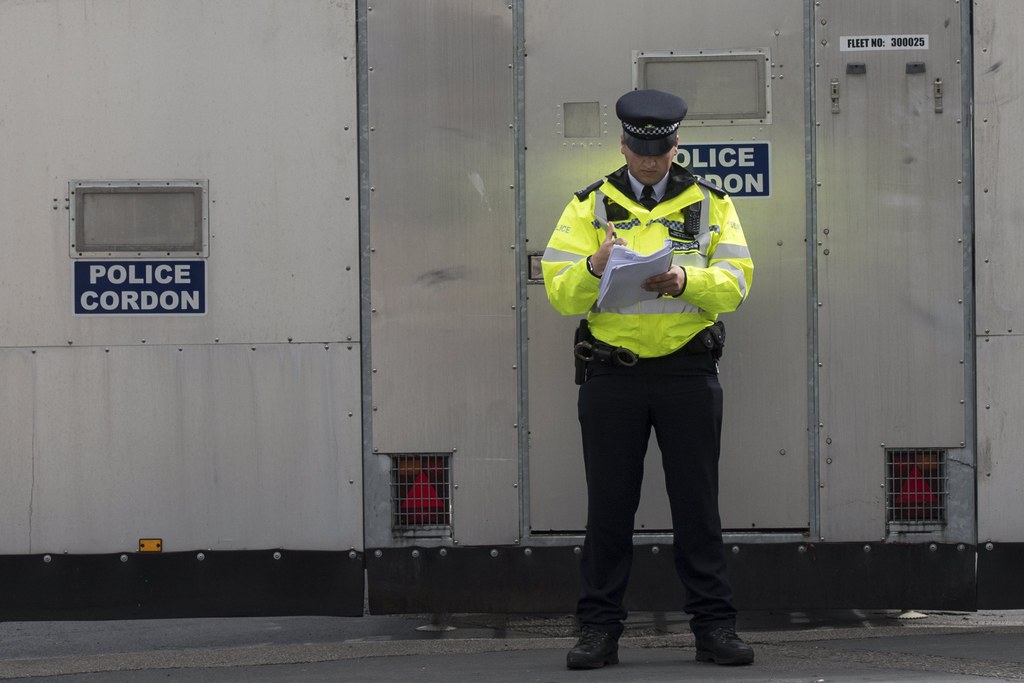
[902, 42]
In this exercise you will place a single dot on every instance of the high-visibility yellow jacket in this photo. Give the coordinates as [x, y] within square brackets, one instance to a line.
[716, 259]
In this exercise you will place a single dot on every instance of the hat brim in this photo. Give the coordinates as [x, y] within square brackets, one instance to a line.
[649, 148]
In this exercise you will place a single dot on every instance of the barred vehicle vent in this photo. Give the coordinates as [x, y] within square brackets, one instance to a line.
[421, 494]
[916, 484]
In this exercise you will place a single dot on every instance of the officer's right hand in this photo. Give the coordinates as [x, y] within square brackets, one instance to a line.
[599, 259]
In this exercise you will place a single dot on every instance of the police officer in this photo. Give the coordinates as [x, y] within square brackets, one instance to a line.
[651, 364]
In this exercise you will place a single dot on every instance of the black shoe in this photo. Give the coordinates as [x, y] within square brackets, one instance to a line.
[723, 646]
[594, 649]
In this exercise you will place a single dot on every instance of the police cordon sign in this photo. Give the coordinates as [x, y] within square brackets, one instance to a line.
[140, 287]
[741, 169]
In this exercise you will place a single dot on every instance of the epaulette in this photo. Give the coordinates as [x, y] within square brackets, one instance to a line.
[710, 185]
[585, 192]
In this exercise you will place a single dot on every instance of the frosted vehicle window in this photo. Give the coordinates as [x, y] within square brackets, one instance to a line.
[720, 87]
[166, 218]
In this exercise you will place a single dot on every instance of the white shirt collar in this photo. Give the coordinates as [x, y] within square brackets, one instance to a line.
[638, 187]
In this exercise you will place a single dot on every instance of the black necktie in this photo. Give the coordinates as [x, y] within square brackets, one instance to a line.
[647, 198]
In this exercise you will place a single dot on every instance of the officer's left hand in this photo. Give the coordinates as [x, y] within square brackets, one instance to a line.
[670, 283]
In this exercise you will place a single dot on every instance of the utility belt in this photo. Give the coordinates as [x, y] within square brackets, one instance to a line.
[586, 349]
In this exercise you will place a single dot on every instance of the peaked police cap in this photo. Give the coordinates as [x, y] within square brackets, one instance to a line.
[649, 120]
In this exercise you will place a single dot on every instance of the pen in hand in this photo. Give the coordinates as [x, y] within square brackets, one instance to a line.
[599, 259]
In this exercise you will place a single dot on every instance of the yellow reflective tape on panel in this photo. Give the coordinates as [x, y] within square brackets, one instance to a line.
[150, 545]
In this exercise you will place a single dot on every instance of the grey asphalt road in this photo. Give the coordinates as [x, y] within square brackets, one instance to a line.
[807, 648]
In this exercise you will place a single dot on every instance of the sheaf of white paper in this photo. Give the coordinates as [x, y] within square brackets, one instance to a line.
[626, 270]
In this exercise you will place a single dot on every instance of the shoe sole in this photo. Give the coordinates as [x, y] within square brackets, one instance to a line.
[610, 659]
[704, 656]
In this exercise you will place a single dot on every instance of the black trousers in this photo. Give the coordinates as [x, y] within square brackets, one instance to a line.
[680, 397]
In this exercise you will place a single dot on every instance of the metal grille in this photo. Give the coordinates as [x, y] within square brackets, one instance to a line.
[916, 487]
[421, 493]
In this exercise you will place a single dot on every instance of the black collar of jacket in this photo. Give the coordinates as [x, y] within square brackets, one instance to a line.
[678, 180]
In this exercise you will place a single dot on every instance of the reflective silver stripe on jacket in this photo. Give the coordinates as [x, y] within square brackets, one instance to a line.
[700, 259]
[728, 251]
[555, 255]
[741, 280]
[600, 210]
[725, 250]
